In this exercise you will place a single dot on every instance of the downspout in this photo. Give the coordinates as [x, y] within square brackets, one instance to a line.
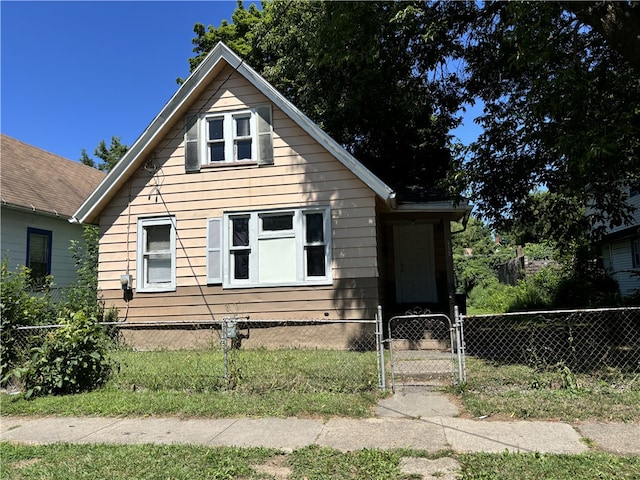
[465, 222]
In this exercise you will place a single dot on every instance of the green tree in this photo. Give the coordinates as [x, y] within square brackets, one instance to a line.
[476, 255]
[559, 83]
[108, 156]
[561, 112]
[618, 23]
[373, 75]
[238, 35]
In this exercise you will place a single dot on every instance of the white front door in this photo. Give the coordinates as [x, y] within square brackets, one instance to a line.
[415, 263]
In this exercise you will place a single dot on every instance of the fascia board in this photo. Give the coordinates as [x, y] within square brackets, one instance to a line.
[435, 207]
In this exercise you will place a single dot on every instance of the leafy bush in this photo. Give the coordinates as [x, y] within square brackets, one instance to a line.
[83, 295]
[20, 306]
[72, 359]
[489, 297]
[537, 291]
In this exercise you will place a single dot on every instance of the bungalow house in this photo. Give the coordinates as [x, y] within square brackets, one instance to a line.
[232, 200]
[621, 251]
[39, 193]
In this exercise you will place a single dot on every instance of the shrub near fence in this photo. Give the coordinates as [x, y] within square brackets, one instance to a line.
[586, 341]
[301, 356]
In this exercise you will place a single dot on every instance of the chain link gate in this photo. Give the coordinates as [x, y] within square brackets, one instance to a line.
[426, 349]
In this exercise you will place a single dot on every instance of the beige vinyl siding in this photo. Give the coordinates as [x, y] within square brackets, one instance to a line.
[303, 174]
[351, 300]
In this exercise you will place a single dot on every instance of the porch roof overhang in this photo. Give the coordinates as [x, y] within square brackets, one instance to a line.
[455, 211]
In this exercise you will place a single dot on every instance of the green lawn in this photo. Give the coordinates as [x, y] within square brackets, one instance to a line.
[192, 383]
[312, 383]
[114, 462]
[519, 391]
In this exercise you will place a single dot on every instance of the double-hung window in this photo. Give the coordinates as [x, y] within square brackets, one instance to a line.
[227, 138]
[39, 254]
[156, 264]
[230, 137]
[273, 247]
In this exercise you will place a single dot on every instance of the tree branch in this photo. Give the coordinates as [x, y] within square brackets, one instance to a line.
[617, 21]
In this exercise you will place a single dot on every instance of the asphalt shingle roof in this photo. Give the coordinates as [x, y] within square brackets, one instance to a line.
[38, 180]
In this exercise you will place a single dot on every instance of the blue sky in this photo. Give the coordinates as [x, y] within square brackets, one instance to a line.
[75, 73]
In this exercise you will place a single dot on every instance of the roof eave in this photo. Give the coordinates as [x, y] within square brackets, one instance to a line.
[457, 210]
[32, 209]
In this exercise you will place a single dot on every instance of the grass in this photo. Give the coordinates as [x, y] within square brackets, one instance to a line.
[191, 383]
[318, 383]
[114, 462]
[519, 391]
[541, 466]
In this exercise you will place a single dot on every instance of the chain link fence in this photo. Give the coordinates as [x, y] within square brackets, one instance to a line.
[352, 356]
[236, 353]
[585, 341]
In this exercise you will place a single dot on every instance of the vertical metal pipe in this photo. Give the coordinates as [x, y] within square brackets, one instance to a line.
[463, 348]
[380, 344]
[459, 348]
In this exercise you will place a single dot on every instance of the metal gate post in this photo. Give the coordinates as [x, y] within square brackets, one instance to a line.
[382, 375]
[463, 354]
[462, 373]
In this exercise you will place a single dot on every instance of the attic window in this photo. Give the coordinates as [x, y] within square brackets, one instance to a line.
[227, 138]
[230, 138]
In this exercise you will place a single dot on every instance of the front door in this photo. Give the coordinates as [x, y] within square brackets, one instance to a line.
[415, 263]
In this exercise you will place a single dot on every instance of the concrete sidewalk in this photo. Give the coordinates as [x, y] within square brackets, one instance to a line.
[417, 420]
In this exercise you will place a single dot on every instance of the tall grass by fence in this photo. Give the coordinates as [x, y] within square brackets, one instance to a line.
[585, 341]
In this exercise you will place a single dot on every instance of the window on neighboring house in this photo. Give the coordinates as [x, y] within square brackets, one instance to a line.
[284, 247]
[39, 244]
[224, 138]
[156, 265]
[635, 252]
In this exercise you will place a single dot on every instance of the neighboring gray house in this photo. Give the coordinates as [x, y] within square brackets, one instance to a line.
[39, 192]
[621, 251]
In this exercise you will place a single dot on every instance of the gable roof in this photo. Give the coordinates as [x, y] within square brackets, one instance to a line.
[43, 182]
[178, 106]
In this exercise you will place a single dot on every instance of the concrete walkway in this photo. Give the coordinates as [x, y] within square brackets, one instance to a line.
[409, 419]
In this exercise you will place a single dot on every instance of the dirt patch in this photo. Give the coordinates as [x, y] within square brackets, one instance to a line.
[276, 467]
[24, 463]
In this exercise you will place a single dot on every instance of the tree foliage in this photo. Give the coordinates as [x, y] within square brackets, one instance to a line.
[373, 75]
[561, 112]
[559, 82]
[108, 156]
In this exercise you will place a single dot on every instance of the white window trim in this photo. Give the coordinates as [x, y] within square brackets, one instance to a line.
[256, 234]
[141, 282]
[229, 137]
